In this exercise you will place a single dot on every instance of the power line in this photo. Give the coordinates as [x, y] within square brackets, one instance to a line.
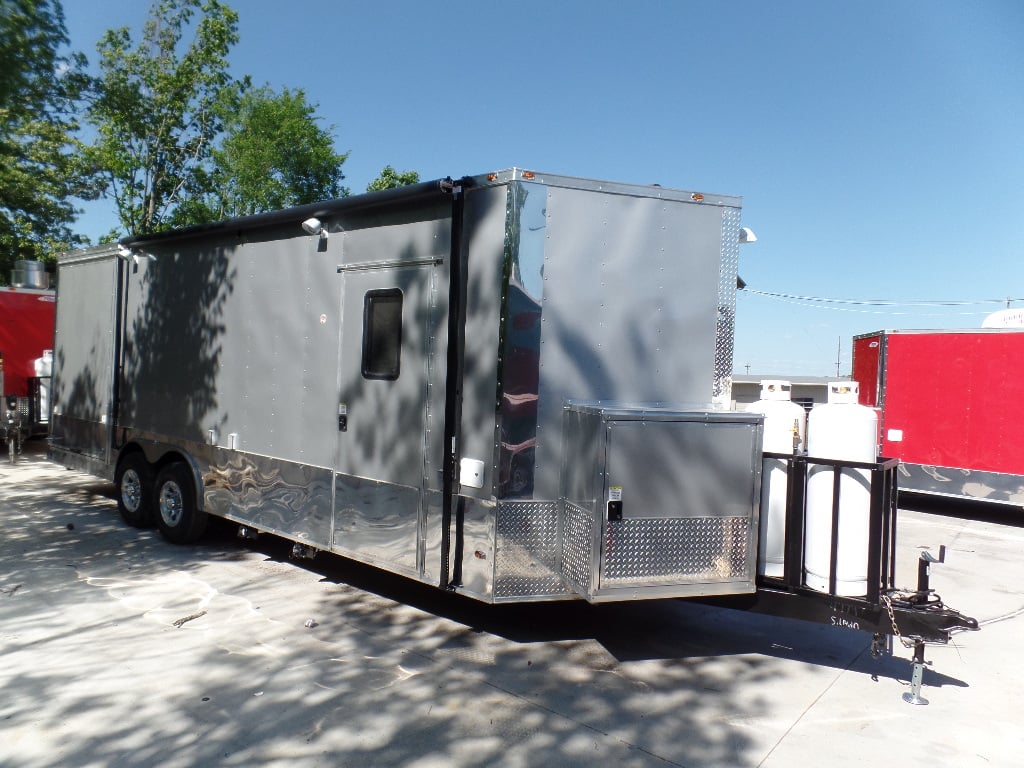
[880, 302]
[913, 307]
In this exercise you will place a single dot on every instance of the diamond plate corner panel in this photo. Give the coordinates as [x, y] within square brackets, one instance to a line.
[526, 555]
[724, 337]
[676, 550]
[577, 549]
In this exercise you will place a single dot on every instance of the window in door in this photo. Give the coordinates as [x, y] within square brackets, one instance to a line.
[382, 334]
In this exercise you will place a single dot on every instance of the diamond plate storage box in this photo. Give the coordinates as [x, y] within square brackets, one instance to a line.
[659, 503]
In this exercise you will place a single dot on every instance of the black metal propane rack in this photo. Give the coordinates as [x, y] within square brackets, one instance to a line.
[917, 616]
[30, 409]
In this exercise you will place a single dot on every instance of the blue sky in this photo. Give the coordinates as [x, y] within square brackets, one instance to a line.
[878, 148]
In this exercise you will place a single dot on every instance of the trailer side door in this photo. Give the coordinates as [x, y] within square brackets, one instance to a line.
[391, 389]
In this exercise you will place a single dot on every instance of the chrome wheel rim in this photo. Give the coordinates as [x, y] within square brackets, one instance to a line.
[171, 503]
[131, 490]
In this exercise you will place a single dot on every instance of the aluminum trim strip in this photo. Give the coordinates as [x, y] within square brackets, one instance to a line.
[431, 261]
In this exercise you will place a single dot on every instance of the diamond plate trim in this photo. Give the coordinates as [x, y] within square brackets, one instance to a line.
[676, 550]
[526, 555]
[578, 547]
[725, 333]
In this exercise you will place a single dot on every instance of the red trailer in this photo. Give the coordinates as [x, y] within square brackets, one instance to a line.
[26, 331]
[951, 407]
[26, 336]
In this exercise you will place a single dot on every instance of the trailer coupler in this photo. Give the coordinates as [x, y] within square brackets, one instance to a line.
[922, 616]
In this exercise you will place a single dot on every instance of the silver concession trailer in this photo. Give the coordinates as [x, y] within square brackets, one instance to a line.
[506, 384]
[515, 386]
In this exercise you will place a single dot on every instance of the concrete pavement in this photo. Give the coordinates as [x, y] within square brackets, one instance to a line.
[117, 649]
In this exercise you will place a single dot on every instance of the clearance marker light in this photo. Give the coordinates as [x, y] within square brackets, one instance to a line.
[696, 197]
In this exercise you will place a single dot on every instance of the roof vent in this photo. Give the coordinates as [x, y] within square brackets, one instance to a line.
[30, 274]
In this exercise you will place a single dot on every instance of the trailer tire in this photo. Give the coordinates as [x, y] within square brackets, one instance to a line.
[134, 481]
[179, 518]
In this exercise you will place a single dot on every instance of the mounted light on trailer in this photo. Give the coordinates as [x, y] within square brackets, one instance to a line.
[136, 257]
[697, 197]
[314, 226]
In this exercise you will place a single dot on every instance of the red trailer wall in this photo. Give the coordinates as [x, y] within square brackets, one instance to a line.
[26, 329]
[957, 397]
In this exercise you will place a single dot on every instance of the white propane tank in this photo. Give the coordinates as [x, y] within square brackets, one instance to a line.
[785, 424]
[44, 369]
[840, 429]
[44, 365]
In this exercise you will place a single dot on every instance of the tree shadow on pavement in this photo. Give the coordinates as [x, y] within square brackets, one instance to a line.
[121, 649]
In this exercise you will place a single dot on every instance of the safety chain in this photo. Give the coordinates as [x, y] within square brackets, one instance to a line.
[887, 602]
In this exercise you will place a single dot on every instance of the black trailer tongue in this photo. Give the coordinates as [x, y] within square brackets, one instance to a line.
[915, 616]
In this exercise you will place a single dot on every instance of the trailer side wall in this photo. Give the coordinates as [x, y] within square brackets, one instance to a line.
[951, 404]
[955, 399]
[85, 362]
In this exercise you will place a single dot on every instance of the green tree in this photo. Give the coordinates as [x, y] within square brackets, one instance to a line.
[38, 85]
[273, 155]
[390, 178]
[154, 109]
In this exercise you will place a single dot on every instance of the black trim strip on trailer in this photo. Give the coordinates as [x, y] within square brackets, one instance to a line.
[120, 321]
[451, 577]
[387, 198]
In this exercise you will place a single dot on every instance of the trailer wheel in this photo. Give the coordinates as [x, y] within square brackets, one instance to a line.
[179, 519]
[134, 481]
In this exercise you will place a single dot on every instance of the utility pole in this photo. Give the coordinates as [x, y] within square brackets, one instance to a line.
[839, 353]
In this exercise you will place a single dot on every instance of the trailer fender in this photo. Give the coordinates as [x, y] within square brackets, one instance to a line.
[193, 467]
[160, 455]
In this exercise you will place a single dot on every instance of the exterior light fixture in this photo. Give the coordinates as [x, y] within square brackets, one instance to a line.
[314, 226]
